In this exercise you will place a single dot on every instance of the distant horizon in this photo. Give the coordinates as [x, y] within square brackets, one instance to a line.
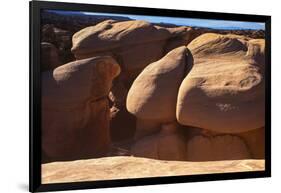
[179, 21]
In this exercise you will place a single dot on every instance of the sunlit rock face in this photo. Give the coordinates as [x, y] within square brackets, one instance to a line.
[134, 167]
[224, 92]
[134, 44]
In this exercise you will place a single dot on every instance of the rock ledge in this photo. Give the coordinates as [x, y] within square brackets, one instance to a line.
[122, 167]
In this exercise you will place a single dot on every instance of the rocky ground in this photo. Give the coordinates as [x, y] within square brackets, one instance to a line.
[123, 167]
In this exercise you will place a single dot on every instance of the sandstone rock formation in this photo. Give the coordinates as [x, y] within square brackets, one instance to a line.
[64, 43]
[181, 36]
[255, 141]
[75, 111]
[152, 99]
[49, 57]
[134, 44]
[61, 39]
[221, 147]
[111, 34]
[153, 95]
[224, 91]
[165, 102]
[124, 167]
[156, 145]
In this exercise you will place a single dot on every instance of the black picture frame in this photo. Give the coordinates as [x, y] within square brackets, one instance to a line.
[35, 184]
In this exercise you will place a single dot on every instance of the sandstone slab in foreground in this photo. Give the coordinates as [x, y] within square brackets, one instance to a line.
[132, 167]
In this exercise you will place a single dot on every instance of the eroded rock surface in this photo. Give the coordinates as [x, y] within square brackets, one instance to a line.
[215, 148]
[166, 144]
[134, 44]
[255, 141]
[216, 92]
[153, 94]
[124, 167]
[75, 111]
[224, 91]
[152, 97]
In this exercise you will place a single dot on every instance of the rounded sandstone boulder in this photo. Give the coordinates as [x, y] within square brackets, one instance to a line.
[134, 44]
[75, 110]
[111, 34]
[224, 91]
[78, 81]
[181, 36]
[153, 94]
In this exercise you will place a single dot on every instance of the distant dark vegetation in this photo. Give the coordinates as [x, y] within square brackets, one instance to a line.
[58, 29]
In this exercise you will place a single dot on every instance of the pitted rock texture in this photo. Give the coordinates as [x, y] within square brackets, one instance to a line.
[224, 92]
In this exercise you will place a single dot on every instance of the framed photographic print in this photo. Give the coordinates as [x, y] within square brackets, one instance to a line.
[126, 96]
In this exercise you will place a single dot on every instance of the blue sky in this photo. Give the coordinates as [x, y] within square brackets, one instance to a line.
[209, 23]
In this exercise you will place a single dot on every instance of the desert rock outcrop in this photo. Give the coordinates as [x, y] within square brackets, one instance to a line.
[75, 111]
[61, 39]
[224, 91]
[151, 90]
[152, 99]
[181, 36]
[153, 95]
[134, 44]
[49, 57]
[255, 141]
[111, 34]
[155, 145]
[215, 148]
